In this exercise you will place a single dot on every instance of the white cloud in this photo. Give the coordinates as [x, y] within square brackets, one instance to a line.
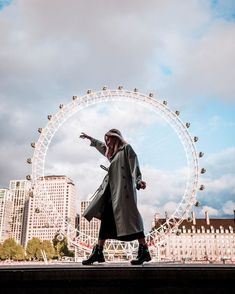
[51, 50]
[228, 207]
[219, 181]
[211, 211]
[221, 184]
[170, 207]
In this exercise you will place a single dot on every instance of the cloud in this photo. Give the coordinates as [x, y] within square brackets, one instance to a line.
[211, 211]
[228, 207]
[51, 50]
[219, 163]
[219, 181]
[221, 184]
[132, 44]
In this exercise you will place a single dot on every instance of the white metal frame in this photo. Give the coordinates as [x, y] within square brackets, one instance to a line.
[188, 200]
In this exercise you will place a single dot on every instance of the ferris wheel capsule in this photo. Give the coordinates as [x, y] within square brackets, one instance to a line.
[49, 117]
[33, 144]
[164, 102]
[88, 91]
[104, 88]
[74, 97]
[197, 204]
[29, 160]
[187, 125]
[151, 94]
[203, 170]
[61, 106]
[120, 87]
[200, 154]
[177, 112]
[135, 90]
[202, 187]
[195, 138]
[28, 177]
[40, 130]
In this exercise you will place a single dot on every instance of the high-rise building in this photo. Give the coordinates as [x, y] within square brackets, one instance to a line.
[50, 210]
[88, 230]
[6, 206]
[19, 194]
[208, 240]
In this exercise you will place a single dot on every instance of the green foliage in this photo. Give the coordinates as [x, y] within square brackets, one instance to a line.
[55, 249]
[61, 247]
[47, 246]
[33, 249]
[11, 250]
[35, 246]
[20, 253]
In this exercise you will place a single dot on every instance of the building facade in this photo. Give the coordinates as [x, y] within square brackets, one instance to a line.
[6, 206]
[88, 230]
[19, 195]
[202, 240]
[53, 209]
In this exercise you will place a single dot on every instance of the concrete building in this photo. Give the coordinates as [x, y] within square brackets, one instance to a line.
[88, 229]
[19, 195]
[50, 210]
[6, 206]
[204, 240]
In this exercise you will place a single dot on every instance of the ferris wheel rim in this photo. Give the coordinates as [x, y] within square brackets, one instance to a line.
[99, 96]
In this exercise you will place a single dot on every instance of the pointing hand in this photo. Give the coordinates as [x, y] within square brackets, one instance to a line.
[84, 136]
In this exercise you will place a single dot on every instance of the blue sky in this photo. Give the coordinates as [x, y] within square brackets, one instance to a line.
[4, 3]
[183, 51]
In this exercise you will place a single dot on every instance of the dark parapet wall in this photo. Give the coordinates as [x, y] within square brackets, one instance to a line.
[118, 278]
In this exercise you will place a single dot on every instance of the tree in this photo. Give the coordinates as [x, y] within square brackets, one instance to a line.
[61, 247]
[35, 246]
[33, 249]
[2, 256]
[47, 246]
[11, 250]
[19, 253]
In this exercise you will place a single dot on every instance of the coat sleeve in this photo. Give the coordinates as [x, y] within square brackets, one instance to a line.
[134, 164]
[100, 146]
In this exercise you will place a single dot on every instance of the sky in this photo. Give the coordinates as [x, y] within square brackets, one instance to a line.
[182, 51]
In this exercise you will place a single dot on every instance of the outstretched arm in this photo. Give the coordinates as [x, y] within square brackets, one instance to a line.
[100, 146]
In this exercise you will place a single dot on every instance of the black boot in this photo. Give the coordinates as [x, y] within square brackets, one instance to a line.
[143, 255]
[96, 255]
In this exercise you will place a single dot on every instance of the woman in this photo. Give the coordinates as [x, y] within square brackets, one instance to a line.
[115, 202]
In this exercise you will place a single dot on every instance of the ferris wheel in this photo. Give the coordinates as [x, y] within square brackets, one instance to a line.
[161, 108]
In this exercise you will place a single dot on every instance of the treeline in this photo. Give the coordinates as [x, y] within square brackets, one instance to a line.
[35, 250]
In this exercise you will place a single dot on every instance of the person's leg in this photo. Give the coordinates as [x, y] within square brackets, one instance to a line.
[97, 253]
[143, 253]
[142, 241]
[101, 242]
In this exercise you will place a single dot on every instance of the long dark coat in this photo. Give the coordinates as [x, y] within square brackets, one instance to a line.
[123, 176]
